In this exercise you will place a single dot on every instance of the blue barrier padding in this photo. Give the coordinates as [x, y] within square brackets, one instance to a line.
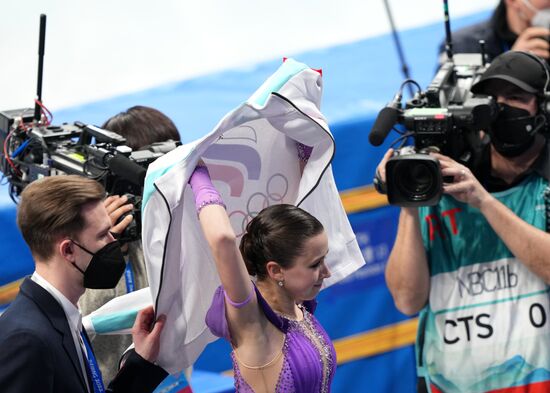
[201, 382]
[15, 258]
[209, 382]
[389, 372]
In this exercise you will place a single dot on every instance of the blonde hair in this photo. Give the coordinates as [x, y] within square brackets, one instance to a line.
[51, 208]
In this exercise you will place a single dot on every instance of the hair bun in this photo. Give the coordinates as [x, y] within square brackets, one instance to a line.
[246, 249]
[279, 234]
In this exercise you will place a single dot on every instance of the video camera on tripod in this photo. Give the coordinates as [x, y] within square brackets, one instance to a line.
[32, 148]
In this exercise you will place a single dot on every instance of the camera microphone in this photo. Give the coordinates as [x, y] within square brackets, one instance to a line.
[385, 121]
[126, 168]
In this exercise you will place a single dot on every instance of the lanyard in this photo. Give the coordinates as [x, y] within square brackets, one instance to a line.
[95, 373]
[504, 45]
[129, 276]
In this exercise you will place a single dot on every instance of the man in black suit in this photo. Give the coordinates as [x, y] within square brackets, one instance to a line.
[43, 347]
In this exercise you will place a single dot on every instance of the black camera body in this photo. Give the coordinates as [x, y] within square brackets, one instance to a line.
[445, 118]
[447, 113]
[32, 150]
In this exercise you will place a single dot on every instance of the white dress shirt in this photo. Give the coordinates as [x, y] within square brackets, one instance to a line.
[73, 317]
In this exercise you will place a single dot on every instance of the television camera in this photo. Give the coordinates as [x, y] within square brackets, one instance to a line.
[32, 148]
[445, 118]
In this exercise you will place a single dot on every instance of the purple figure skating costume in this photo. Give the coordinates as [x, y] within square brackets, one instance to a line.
[309, 358]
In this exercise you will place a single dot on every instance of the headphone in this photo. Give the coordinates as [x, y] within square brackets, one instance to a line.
[544, 105]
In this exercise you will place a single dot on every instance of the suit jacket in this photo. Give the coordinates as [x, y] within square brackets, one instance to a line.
[38, 354]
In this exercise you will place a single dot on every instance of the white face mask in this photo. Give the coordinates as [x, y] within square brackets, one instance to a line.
[541, 17]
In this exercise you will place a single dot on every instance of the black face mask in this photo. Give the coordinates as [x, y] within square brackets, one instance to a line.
[514, 129]
[105, 268]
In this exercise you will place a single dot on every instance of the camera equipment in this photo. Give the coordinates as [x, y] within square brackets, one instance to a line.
[413, 179]
[446, 117]
[32, 148]
[32, 151]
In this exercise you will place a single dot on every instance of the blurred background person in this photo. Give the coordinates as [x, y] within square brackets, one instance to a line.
[141, 126]
[515, 25]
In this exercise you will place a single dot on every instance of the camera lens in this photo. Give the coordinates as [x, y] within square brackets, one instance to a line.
[415, 180]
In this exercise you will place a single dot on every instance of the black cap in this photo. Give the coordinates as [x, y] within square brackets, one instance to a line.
[521, 69]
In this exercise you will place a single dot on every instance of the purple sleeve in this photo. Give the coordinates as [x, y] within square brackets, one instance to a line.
[217, 322]
[203, 189]
[215, 317]
[304, 151]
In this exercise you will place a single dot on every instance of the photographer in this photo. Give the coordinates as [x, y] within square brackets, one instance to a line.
[43, 346]
[521, 25]
[141, 126]
[477, 264]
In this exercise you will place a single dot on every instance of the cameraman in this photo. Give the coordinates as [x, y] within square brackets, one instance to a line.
[515, 25]
[477, 264]
[141, 126]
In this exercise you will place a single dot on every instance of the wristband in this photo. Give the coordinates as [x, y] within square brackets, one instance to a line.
[205, 192]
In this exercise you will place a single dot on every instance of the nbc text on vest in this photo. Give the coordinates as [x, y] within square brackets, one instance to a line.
[487, 280]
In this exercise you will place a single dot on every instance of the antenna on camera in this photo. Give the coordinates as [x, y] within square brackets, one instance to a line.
[398, 47]
[448, 38]
[483, 52]
[41, 42]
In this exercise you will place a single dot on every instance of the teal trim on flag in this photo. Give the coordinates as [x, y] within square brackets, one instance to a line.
[149, 186]
[289, 68]
[114, 322]
[286, 71]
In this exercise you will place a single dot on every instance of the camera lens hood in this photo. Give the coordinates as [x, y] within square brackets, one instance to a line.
[413, 180]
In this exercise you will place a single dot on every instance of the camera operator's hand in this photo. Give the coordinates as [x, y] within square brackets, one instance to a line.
[117, 206]
[534, 40]
[381, 168]
[379, 180]
[465, 187]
